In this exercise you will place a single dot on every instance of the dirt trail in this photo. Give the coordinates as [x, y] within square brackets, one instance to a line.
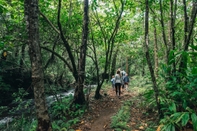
[98, 117]
[109, 107]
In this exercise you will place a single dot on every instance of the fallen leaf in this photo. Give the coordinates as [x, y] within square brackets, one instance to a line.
[159, 128]
[145, 124]
[141, 127]
[105, 126]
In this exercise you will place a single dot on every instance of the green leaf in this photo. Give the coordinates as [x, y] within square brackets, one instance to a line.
[194, 121]
[185, 118]
[176, 117]
[1, 45]
[194, 70]
[1, 9]
[172, 107]
[184, 104]
[171, 57]
[170, 127]
[193, 47]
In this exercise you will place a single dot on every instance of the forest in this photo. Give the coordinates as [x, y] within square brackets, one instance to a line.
[58, 58]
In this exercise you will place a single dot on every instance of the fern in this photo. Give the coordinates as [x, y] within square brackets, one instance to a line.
[120, 120]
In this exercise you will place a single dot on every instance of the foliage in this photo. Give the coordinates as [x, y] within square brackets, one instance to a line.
[20, 105]
[177, 97]
[177, 92]
[178, 120]
[120, 120]
[62, 115]
[142, 82]
[4, 88]
[24, 123]
[65, 114]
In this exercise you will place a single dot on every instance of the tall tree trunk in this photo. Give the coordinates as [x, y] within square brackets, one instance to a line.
[155, 45]
[188, 30]
[79, 95]
[113, 65]
[109, 44]
[155, 51]
[172, 30]
[163, 32]
[31, 15]
[97, 94]
[22, 59]
[127, 65]
[66, 44]
[148, 57]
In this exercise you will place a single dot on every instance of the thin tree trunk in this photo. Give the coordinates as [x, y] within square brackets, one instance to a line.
[97, 92]
[78, 73]
[186, 18]
[79, 95]
[22, 59]
[172, 31]
[163, 31]
[155, 52]
[127, 65]
[31, 15]
[188, 33]
[148, 57]
[66, 44]
[155, 45]
[109, 45]
[113, 65]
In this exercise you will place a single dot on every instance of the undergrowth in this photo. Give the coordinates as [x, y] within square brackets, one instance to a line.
[120, 120]
[63, 115]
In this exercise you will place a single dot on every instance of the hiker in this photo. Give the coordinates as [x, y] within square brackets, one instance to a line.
[126, 81]
[123, 75]
[118, 81]
[113, 82]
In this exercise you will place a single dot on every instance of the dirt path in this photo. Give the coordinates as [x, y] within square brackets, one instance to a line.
[98, 117]
[108, 107]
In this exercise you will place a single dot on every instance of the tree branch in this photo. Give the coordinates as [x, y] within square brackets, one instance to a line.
[49, 22]
[66, 44]
[59, 56]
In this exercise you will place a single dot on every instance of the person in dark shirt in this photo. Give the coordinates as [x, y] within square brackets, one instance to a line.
[126, 81]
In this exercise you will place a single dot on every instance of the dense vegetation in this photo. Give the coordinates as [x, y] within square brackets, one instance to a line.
[79, 43]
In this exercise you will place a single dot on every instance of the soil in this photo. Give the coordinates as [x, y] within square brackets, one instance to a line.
[98, 116]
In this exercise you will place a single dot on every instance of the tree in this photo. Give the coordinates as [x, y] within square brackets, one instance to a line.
[78, 96]
[31, 15]
[146, 43]
[108, 32]
[74, 55]
[188, 30]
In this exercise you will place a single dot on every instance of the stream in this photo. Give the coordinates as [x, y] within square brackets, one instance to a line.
[27, 106]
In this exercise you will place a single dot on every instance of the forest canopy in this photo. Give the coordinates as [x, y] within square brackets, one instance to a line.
[52, 46]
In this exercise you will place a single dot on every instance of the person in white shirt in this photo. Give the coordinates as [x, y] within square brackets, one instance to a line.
[118, 81]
